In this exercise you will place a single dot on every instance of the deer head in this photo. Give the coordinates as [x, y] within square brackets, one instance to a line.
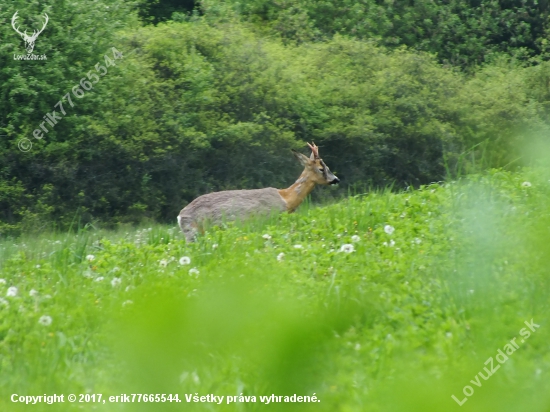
[29, 40]
[315, 168]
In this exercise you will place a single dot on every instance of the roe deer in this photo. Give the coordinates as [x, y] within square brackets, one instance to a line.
[239, 204]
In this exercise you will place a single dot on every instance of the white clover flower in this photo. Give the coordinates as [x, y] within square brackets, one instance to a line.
[37, 266]
[417, 240]
[90, 258]
[194, 271]
[115, 282]
[88, 274]
[526, 184]
[12, 291]
[215, 246]
[163, 263]
[389, 229]
[355, 238]
[185, 260]
[99, 279]
[266, 236]
[280, 256]
[45, 320]
[298, 246]
[127, 302]
[357, 346]
[2, 281]
[4, 302]
[347, 248]
[33, 293]
[129, 288]
[392, 243]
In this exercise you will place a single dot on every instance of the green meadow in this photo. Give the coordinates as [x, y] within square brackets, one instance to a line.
[382, 301]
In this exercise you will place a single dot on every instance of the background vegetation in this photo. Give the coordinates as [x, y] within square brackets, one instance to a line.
[212, 95]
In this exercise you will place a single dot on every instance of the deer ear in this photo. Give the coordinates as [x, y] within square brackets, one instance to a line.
[301, 158]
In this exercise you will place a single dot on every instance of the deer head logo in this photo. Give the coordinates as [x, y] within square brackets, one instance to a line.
[29, 40]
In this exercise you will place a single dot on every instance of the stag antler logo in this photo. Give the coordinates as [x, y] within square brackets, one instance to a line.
[29, 40]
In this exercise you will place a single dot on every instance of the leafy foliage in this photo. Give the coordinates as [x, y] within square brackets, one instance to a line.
[211, 103]
[462, 33]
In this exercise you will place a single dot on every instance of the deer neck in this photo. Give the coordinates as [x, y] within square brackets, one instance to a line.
[296, 193]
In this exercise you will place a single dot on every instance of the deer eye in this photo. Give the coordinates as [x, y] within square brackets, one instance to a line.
[321, 169]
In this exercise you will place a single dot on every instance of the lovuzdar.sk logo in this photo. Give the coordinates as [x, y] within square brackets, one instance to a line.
[29, 40]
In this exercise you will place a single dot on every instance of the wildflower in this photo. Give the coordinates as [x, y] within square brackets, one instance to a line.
[357, 346]
[526, 184]
[12, 291]
[45, 320]
[129, 288]
[347, 248]
[88, 274]
[215, 246]
[99, 278]
[280, 256]
[417, 240]
[4, 302]
[392, 243]
[355, 238]
[90, 258]
[185, 260]
[33, 293]
[37, 266]
[389, 229]
[2, 281]
[194, 271]
[266, 236]
[115, 282]
[298, 246]
[127, 302]
[163, 263]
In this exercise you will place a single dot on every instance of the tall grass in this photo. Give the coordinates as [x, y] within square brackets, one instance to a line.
[440, 278]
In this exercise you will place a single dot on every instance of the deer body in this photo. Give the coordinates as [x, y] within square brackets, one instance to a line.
[240, 204]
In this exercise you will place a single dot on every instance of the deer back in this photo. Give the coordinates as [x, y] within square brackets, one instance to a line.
[234, 205]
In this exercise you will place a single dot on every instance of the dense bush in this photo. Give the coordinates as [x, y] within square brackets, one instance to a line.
[210, 103]
[460, 32]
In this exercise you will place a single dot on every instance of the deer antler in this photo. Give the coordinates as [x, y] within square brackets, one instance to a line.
[314, 151]
[16, 28]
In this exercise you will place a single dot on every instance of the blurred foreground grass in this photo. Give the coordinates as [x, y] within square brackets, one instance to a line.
[382, 302]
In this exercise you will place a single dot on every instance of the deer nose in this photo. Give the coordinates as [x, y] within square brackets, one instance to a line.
[334, 181]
